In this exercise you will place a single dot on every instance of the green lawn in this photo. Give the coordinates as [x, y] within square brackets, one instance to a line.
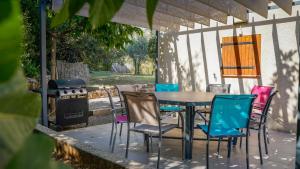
[109, 79]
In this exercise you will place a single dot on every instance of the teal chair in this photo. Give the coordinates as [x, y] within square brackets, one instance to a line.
[169, 87]
[230, 114]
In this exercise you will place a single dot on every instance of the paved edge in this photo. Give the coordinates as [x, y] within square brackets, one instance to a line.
[100, 158]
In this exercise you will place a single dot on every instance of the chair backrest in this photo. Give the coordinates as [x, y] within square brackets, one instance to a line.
[218, 88]
[142, 108]
[166, 87]
[268, 104]
[112, 105]
[231, 111]
[263, 93]
[121, 88]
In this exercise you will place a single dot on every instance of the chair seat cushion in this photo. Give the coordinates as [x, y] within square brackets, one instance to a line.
[145, 128]
[121, 118]
[221, 132]
[171, 108]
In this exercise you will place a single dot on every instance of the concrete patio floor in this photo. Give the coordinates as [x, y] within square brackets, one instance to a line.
[281, 150]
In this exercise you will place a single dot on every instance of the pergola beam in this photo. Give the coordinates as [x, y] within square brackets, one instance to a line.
[176, 13]
[258, 6]
[173, 11]
[139, 18]
[286, 5]
[136, 16]
[139, 13]
[229, 7]
[142, 22]
[198, 8]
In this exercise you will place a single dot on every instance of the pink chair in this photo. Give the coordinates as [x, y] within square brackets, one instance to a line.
[263, 93]
[259, 114]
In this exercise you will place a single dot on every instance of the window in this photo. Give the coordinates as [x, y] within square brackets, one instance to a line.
[241, 56]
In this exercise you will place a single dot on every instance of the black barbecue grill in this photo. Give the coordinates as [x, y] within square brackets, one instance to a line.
[70, 101]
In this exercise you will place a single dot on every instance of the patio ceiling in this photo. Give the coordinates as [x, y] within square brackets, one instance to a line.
[171, 14]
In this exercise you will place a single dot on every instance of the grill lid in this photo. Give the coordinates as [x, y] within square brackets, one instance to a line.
[66, 84]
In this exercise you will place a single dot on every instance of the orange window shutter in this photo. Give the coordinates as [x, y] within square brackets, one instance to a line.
[241, 56]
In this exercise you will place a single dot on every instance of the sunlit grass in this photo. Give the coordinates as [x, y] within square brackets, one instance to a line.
[108, 78]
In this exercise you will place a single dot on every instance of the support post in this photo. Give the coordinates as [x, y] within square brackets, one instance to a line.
[156, 56]
[43, 64]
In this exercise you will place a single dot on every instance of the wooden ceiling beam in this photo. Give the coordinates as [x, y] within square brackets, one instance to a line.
[199, 8]
[172, 11]
[258, 6]
[229, 7]
[286, 5]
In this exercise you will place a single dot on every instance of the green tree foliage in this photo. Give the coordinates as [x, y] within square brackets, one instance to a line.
[138, 51]
[100, 43]
[19, 109]
[31, 26]
[152, 51]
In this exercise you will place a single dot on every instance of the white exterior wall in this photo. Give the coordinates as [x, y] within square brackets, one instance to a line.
[192, 59]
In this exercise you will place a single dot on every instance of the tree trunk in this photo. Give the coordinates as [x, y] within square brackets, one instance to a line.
[138, 67]
[53, 57]
[135, 66]
[53, 69]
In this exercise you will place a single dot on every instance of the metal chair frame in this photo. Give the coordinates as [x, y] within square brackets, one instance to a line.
[203, 115]
[158, 118]
[229, 138]
[122, 101]
[114, 127]
[262, 125]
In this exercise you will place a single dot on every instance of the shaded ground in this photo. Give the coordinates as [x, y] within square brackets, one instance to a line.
[108, 78]
[96, 139]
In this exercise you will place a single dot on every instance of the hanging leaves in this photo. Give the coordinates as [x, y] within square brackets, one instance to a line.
[151, 6]
[10, 38]
[19, 109]
[100, 11]
[69, 9]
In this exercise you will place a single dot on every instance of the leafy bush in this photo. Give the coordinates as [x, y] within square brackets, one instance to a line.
[30, 68]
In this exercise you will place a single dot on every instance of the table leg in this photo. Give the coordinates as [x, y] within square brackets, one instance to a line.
[188, 132]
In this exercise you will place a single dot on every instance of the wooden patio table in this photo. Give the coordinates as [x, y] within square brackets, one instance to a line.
[189, 100]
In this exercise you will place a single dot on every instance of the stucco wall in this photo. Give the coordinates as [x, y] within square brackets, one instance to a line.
[192, 58]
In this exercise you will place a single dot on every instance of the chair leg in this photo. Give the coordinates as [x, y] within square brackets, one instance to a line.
[158, 155]
[265, 139]
[111, 133]
[247, 151]
[178, 120]
[241, 142]
[121, 129]
[219, 141]
[229, 147]
[259, 147]
[114, 139]
[241, 139]
[127, 144]
[147, 142]
[151, 143]
[207, 153]
[267, 133]
[182, 134]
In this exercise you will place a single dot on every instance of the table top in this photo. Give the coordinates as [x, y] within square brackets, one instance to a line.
[185, 98]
